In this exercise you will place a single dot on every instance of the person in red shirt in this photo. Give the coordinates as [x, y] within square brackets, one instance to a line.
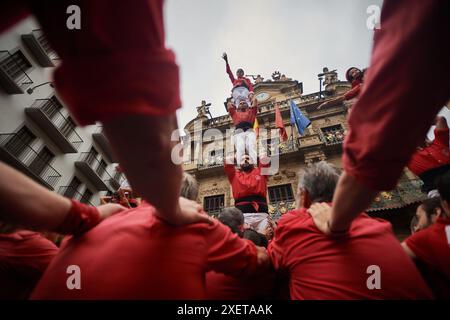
[244, 135]
[398, 97]
[426, 214]
[24, 256]
[356, 77]
[128, 83]
[432, 159]
[248, 184]
[431, 246]
[366, 263]
[136, 255]
[242, 91]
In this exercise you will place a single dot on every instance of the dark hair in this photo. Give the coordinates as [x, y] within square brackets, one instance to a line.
[257, 238]
[430, 205]
[240, 69]
[443, 186]
[348, 76]
[233, 218]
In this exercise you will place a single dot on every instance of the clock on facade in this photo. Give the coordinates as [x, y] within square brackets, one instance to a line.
[263, 96]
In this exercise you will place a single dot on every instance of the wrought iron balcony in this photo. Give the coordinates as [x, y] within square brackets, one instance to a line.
[277, 209]
[100, 138]
[23, 157]
[94, 170]
[73, 193]
[40, 47]
[61, 129]
[13, 76]
[117, 180]
[274, 149]
[333, 136]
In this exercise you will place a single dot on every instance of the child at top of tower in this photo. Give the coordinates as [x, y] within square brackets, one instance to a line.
[242, 91]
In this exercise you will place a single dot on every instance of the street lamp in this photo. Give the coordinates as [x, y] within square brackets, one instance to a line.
[31, 90]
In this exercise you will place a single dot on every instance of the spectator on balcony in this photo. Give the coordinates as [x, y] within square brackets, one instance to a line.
[322, 267]
[242, 92]
[129, 84]
[356, 77]
[430, 247]
[248, 184]
[24, 256]
[220, 286]
[376, 147]
[432, 158]
[426, 214]
[126, 267]
[189, 187]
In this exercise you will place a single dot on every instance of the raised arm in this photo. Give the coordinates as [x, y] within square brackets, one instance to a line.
[228, 69]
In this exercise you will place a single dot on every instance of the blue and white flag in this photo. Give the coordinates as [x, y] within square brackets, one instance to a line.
[297, 117]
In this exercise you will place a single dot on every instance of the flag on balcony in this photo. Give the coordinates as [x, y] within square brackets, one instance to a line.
[279, 123]
[297, 118]
[256, 127]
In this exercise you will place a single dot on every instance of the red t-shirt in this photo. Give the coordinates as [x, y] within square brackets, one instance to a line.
[238, 116]
[245, 184]
[135, 255]
[222, 287]
[397, 105]
[24, 256]
[432, 246]
[435, 155]
[321, 267]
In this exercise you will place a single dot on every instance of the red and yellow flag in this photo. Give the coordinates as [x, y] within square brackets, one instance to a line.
[256, 127]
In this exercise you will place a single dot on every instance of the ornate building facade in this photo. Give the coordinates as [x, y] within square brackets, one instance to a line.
[208, 139]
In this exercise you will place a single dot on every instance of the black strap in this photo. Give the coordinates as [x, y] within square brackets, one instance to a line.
[253, 198]
[244, 125]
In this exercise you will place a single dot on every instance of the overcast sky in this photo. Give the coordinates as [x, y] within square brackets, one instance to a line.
[296, 37]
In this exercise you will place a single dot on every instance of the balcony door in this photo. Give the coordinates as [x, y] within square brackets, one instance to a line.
[19, 142]
[41, 161]
[72, 188]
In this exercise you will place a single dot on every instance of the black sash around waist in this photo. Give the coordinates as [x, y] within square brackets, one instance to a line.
[254, 198]
[244, 125]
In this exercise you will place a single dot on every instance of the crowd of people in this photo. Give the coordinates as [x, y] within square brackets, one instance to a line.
[166, 246]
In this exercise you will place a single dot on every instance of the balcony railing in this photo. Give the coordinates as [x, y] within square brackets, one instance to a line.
[280, 148]
[40, 47]
[94, 170]
[101, 139]
[117, 180]
[277, 209]
[211, 162]
[13, 76]
[47, 114]
[73, 193]
[23, 157]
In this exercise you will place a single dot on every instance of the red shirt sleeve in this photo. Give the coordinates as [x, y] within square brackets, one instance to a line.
[230, 171]
[376, 148]
[249, 83]
[114, 65]
[441, 136]
[419, 244]
[229, 254]
[352, 93]
[230, 73]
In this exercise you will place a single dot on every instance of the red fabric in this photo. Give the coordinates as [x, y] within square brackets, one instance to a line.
[246, 183]
[222, 287]
[116, 64]
[354, 92]
[239, 82]
[435, 155]
[279, 123]
[135, 255]
[249, 115]
[401, 94]
[12, 12]
[79, 219]
[432, 247]
[321, 267]
[24, 256]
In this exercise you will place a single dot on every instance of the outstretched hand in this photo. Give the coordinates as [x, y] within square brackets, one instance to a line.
[225, 57]
[321, 214]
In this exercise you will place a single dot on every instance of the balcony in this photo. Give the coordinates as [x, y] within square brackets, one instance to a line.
[47, 115]
[72, 193]
[13, 76]
[102, 141]
[117, 180]
[333, 135]
[40, 47]
[25, 159]
[94, 170]
[277, 209]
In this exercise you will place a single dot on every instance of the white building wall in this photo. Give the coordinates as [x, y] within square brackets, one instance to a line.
[13, 117]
